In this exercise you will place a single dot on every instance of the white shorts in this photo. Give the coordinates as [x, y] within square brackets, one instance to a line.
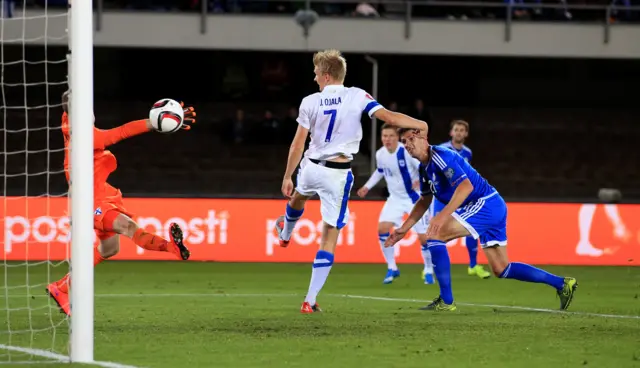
[332, 186]
[394, 210]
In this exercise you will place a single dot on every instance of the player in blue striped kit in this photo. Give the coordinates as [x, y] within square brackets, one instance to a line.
[458, 132]
[473, 207]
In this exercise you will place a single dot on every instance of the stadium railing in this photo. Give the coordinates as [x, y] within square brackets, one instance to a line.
[604, 14]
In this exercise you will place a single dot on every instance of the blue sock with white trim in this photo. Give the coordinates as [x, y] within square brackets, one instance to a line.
[442, 268]
[389, 253]
[472, 248]
[321, 268]
[524, 272]
[291, 216]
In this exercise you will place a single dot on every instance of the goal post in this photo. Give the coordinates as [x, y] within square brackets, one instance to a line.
[81, 186]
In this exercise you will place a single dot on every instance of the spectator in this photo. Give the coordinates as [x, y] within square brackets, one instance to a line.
[271, 128]
[239, 128]
[290, 124]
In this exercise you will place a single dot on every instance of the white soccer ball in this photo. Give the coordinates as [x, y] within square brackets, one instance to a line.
[166, 116]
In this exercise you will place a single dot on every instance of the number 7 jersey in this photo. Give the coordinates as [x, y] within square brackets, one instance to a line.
[333, 119]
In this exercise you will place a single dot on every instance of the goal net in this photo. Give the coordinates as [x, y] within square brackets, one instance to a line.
[35, 209]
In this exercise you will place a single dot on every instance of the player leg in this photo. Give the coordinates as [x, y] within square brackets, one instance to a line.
[421, 229]
[474, 268]
[437, 246]
[335, 186]
[487, 220]
[390, 216]
[295, 206]
[108, 247]
[120, 223]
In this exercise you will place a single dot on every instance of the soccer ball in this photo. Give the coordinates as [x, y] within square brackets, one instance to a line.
[166, 116]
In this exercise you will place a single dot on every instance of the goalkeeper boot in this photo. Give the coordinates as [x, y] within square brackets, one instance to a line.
[567, 291]
[177, 245]
[439, 305]
[479, 271]
[308, 308]
[279, 230]
[61, 299]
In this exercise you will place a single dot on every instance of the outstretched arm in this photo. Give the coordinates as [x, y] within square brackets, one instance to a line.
[400, 120]
[105, 138]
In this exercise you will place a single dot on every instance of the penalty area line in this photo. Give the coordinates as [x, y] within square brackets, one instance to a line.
[59, 357]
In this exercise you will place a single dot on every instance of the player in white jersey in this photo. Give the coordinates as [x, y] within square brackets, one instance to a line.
[400, 171]
[332, 117]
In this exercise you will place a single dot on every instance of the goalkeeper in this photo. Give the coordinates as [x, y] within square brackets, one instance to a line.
[111, 219]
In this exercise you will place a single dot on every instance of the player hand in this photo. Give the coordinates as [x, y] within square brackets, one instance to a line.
[395, 237]
[287, 187]
[435, 224]
[189, 116]
[416, 185]
[362, 192]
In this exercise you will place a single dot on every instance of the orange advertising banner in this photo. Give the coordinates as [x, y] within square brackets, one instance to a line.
[241, 230]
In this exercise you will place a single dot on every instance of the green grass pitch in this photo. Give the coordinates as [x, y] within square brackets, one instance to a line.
[170, 314]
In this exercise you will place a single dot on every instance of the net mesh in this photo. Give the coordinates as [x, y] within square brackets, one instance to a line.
[35, 225]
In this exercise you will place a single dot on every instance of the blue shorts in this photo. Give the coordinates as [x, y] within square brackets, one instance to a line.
[485, 218]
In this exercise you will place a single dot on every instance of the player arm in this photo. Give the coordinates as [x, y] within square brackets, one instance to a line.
[461, 193]
[105, 138]
[457, 178]
[400, 120]
[296, 150]
[374, 179]
[419, 209]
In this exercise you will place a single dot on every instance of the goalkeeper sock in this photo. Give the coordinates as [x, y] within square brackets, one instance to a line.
[388, 252]
[97, 257]
[290, 218]
[321, 268]
[149, 241]
[63, 283]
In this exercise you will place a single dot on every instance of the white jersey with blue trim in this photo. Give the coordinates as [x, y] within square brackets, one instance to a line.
[399, 170]
[333, 119]
[465, 151]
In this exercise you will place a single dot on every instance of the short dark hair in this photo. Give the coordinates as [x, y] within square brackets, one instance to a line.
[386, 126]
[65, 101]
[460, 122]
[401, 131]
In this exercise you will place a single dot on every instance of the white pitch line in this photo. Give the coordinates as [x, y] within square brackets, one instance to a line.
[367, 297]
[59, 357]
[530, 309]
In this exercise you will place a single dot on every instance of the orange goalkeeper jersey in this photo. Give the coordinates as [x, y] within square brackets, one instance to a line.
[104, 162]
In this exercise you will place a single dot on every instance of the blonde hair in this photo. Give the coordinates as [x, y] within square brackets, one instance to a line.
[331, 62]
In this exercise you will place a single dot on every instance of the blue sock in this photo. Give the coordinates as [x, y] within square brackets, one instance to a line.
[291, 216]
[472, 248]
[528, 273]
[442, 268]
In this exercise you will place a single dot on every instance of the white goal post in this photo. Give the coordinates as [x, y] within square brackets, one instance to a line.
[80, 27]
